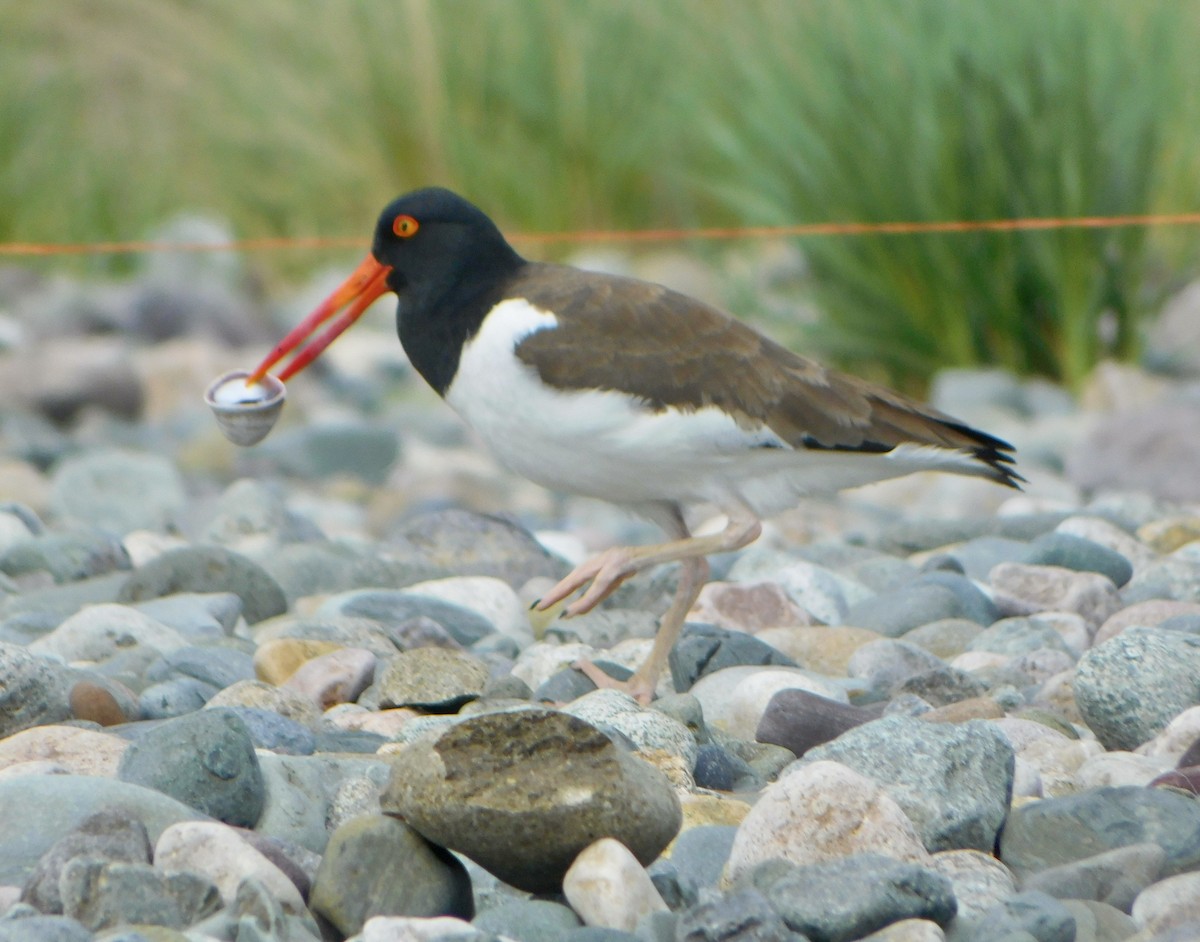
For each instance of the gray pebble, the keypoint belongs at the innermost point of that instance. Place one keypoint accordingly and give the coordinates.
(953, 781)
(206, 760)
(33, 690)
(1057, 831)
(742, 916)
(206, 569)
(1041, 916)
(703, 649)
(1082, 555)
(66, 557)
(1130, 687)
(111, 834)
(393, 609)
(119, 491)
(377, 865)
(532, 920)
(843, 900)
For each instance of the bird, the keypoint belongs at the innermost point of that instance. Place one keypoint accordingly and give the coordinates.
(626, 391)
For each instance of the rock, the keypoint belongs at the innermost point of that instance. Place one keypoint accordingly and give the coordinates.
(303, 794)
(254, 693)
(1128, 689)
(99, 632)
(333, 678)
(720, 770)
(216, 852)
(887, 663)
(118, 491)
(1057, 831)
(203, 616)
(908, 930)
(276, 659)
(954, 782)
(36, 811)
(415, 929)
(799, 720)
(522, 793)
(532, 920)
(204, 759)
(25, 928)
(470, 544)
(433, 679)
(65, 557)
(897, 612)
(734, 699)
(744, 916)
(823, 811)
(207, 569)
(699, 853)
(945, 638)
(1114, 877)
(377, 866)
(817, 590)
(68, 749)
(99, 704)
(393, 609)
(1069, 551)
(342, 447)
(1177, 577)
(33, 690)
(941, 686)
(748, 607)
(979, 880)
(1030, 589)
(1042, 917)
(103, 894)
(703, 649)
(492, 599)
(607, 887)
(817, 648)
(1018, 636)
(214, 666)
(1168, 903)
(647, 729)
(1148, 614)
(105, 835)
(843, 900)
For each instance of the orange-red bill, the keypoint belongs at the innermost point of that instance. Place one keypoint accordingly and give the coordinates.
(360, 291)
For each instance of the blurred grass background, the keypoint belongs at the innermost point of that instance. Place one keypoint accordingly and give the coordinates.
(303, 117)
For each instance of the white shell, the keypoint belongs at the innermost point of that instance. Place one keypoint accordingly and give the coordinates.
(245, 413)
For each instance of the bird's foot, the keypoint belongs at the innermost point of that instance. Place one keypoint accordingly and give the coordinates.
(639, 687)
(604, 572)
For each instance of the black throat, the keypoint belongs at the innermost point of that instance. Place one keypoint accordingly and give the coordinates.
(437, 315)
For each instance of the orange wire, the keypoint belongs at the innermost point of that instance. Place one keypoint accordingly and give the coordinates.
(628, 235)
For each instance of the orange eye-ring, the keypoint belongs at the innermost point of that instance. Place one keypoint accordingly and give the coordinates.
(405, 226)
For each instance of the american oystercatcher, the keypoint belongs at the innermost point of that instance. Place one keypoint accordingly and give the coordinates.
(629, 392)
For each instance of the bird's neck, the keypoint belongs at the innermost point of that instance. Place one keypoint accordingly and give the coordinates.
(435, 319)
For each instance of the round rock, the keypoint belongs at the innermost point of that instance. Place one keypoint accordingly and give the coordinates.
(375, 865)
(523, 792)
(954, 781)
(1128, 689)
(207, 569)
(206, 760)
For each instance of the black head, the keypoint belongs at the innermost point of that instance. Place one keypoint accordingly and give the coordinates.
(432, 238)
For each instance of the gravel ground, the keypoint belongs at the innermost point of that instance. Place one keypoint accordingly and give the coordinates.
(294, 692)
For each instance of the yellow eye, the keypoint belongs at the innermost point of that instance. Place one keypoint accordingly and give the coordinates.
(405, 226)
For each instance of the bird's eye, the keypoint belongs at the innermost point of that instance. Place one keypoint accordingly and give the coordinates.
(405, 226)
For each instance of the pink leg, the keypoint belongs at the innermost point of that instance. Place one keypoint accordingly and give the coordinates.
(612, 567)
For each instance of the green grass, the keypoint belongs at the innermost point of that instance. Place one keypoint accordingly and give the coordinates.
(302, 117)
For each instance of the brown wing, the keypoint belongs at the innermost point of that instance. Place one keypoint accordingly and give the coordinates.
(674, 351)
